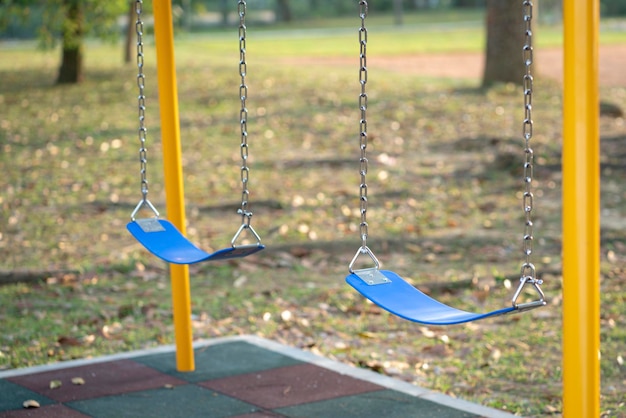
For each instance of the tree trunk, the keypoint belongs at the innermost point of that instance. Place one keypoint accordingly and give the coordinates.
(187, 15)
(505, 40)
(71, 70)
(283, 11)
(131, 31)
(224, 12)
(397, 12)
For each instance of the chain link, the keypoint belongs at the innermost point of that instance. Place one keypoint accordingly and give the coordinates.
(141, 102)
(243, 116)
(528, 269)
(363, 227)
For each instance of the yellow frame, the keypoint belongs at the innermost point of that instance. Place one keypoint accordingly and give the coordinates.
(173, 174)
(581, 201)
(581, 210)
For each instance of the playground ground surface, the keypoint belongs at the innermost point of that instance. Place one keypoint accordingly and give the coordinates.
(444, 212)
(470, 65)
(242, 377)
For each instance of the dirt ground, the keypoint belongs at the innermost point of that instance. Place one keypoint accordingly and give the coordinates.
(470, 65)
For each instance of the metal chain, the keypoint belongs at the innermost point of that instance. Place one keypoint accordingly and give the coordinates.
(528, 273)
(243, 116)
(367, 274)
(141, 102)
(363, 227)
(527, 131)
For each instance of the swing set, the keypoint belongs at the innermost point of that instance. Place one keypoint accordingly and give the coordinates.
(160, 236)
(387, 289)
(384, 287)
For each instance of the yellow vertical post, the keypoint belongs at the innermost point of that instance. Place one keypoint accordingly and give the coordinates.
(172, 163)
(581, 210)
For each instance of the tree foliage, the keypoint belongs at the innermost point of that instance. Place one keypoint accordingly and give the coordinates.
(99, 17)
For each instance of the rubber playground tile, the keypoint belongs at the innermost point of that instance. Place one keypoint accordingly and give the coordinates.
(384, 403)
(262, 414)
(101, 379)
(18, 392)
(220, 360)
(181, 401)
(241, 377)
(49, 411)
(291, 385)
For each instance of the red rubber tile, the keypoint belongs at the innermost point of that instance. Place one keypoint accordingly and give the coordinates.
(291, 385)
(101, 379)
(48, 411)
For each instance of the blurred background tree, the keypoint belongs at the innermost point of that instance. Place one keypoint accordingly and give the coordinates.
(65, 21)
(505, 37)
(70, 22)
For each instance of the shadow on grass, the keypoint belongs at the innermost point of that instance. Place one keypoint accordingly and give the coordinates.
(41, 79)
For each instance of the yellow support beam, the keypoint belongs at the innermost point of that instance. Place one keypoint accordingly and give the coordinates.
(581, 210)
(172, 167)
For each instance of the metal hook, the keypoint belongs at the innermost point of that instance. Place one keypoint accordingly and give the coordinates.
(528, 275)
(140, 205)
(364, 250)
(240, 230)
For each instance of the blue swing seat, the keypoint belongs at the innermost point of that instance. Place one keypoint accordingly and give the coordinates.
(389, 291)
(165, 241)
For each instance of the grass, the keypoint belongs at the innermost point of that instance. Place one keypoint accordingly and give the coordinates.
(443, 209)
(384, 40)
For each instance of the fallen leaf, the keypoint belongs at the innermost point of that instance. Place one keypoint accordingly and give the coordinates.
(110, 331)
(427, 332)
(286, 315)
(240, 281)
(481, 294)
(372, 365)
(55, 384)
(610, 256)
(69, 341)
(438, 350)
(88, 339)
(495, 355)
(300, 252)
(550, 409)
(340, 345)
(415, 249)
(78, 381)
(31, 403)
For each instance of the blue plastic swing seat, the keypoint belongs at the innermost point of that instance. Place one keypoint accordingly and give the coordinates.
(389, 291)
(165, 241)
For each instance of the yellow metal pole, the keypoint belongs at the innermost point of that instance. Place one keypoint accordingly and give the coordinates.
(172, 163)
(581, 210)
